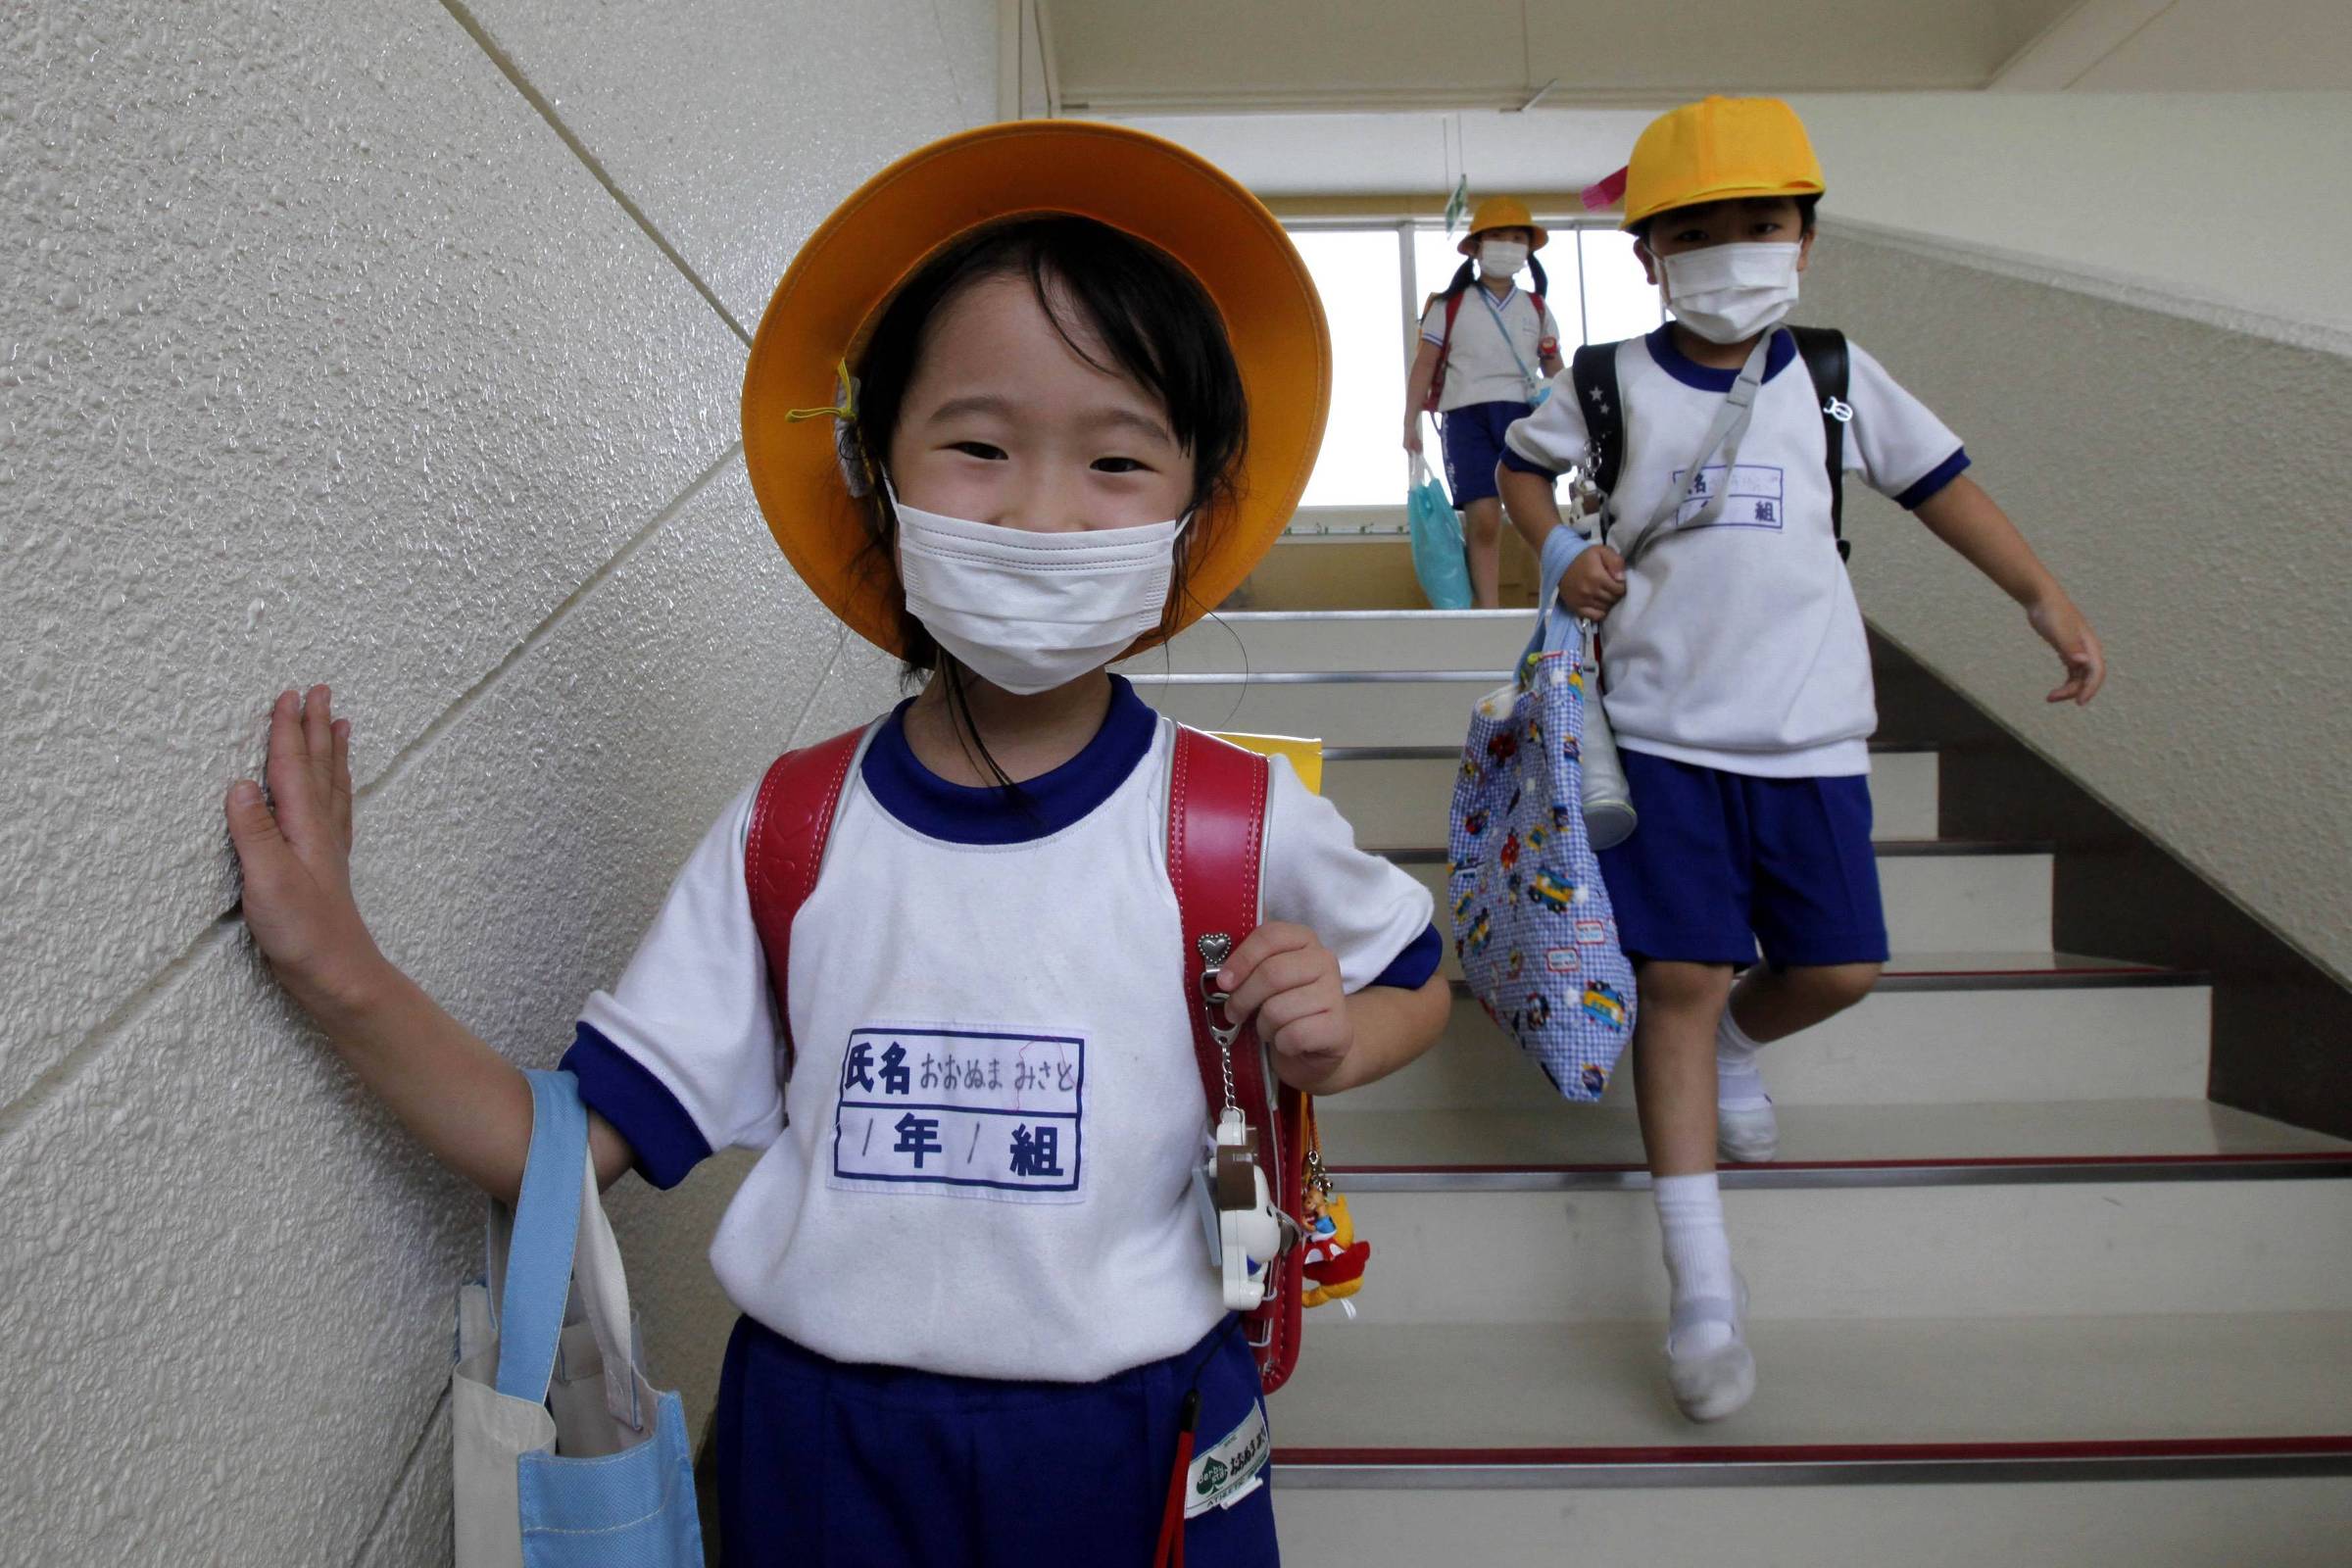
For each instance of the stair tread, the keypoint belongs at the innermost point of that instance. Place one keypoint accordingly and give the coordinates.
(1417, 1387)
(1559, 1135)
(2057, 969)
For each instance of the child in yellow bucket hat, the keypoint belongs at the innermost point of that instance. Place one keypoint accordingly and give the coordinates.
(1481, 368)
(1734, 668)
(1031, 399)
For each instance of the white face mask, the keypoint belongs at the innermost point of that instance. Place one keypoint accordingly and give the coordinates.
(1030, 611)
(1502, 258)
(1729, 292)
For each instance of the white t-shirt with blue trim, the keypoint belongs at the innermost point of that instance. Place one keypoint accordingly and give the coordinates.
(982, 1164)
(1739, 643)
(1498, 346)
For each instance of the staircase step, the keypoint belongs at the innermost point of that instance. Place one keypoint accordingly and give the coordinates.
(1562, 1145)
(1941, 895)
(1942, 1028)
(1340, 707)
(1880, 1249)
(1547, 1395)
(2233, 1507)
(1400, 795)
(1342, 638)
(1525, 1442)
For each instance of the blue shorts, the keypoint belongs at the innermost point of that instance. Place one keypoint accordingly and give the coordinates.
(1474, 445)
(826, 1463)
(1720, 862)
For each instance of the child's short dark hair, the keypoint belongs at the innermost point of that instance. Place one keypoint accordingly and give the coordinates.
(1804, 216)
(1150, 315)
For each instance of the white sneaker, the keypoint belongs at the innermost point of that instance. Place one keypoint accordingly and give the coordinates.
(1716, 1383)
(1747, 1134)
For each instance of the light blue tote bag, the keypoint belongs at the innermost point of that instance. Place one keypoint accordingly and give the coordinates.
(1439, 558)
(565, 1455)
(1532, 919)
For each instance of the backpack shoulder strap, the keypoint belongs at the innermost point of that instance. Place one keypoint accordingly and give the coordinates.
(1437, 379)
(1824, 351)
(1593, 371)
(1217, 796)
(792, 817)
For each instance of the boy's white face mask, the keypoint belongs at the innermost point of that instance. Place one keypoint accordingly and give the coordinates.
(1029, 612)
(1727, 293)
(1502, 258)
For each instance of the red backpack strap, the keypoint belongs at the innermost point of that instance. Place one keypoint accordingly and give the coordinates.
(791, 820)
(1437, 379)
(1217, 844)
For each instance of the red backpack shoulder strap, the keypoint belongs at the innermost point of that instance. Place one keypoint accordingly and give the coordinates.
(1217, 844)
(1437, 379)
(792, 817)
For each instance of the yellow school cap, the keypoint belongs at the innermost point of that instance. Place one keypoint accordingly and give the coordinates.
(1501, 212)
(1718, 149)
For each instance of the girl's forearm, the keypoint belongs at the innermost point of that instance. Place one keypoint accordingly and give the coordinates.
(1964, 517)
(469, 1106)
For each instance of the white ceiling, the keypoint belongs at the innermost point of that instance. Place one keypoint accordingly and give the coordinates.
(1131, 58)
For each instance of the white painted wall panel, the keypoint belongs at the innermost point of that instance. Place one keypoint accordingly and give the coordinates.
(736, 125)
(2187, 485)
(322, 356)
(320, 359)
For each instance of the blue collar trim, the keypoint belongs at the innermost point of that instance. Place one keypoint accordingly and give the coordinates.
(965, 814)
(1688, 370)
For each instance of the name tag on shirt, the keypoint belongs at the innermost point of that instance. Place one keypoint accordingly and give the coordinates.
(984, 1113)
(1753, 496)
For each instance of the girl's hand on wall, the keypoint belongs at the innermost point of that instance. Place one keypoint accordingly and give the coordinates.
(1289, 981)
(2064, 629)
(294, 846)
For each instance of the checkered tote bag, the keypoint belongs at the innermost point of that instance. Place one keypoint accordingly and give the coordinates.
(1532, 919)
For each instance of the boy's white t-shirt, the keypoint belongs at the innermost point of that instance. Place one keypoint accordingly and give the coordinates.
(1480, 367)
(983, 1162)
(1739, 643)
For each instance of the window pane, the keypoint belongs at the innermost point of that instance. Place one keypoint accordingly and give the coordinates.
(1362, 463)
(1619, 301)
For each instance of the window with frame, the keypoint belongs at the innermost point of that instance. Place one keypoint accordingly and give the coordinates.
(1374, 279)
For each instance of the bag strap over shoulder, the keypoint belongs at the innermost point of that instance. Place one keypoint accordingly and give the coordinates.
(791, 820)
(1824, 351)
(1593, 371)
(1217, 796)
(1437, 379)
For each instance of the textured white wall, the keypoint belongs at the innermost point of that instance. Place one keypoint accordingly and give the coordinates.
(390, 346)
(2186, 482)
(2232, 201)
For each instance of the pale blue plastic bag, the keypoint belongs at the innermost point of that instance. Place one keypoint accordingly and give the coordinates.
(1438, 559)
(1532, 919)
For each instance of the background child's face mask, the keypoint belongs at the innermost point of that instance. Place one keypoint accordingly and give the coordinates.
(1029, 612)
(1502, 258)
(1729, 292)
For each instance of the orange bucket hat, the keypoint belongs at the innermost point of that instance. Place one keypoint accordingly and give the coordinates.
(795, 390)
(1718, 149)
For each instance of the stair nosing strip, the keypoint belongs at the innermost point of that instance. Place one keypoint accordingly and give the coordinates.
(1918, 980)
(1573, 1468)
(2003, 1171)
(1881, 849)
(1443, 754)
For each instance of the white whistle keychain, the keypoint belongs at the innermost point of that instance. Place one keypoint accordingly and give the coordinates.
(1248, 1231)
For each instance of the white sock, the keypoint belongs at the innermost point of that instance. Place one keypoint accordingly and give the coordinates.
(1698, 1254)
(1737, 1084)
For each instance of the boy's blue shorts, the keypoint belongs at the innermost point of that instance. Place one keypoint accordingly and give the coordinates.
(1720, 862)
(821, 1461)
(1474, 445)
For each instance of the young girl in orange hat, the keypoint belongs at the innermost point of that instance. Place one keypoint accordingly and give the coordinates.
(1031, 400)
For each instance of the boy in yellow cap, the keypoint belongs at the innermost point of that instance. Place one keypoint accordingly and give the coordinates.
(1735, 672)
(1480, 370)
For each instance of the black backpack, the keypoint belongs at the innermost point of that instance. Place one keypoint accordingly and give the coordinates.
(1822, 348)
